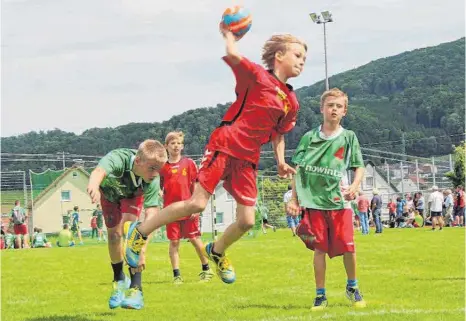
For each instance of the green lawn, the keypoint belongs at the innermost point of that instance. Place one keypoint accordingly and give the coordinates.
(405, 274)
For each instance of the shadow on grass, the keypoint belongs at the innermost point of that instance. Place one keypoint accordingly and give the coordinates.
(72, 317)
(284, 307)
(143, 282)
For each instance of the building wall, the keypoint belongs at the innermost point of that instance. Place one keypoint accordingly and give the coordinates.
(48, 211)
(225, 204)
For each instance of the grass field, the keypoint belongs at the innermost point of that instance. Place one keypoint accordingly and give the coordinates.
(405, 274)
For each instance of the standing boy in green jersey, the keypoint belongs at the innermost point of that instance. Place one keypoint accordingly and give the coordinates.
(123, 182)
(321, 186)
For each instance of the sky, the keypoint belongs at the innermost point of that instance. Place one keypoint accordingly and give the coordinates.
(79, 64)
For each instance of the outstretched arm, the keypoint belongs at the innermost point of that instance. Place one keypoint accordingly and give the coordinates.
(284, 170)
(97, 176)
(232, 53)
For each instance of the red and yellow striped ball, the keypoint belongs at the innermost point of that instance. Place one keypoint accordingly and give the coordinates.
(238, 20)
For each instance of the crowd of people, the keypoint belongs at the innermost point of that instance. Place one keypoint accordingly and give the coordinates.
(442, 208)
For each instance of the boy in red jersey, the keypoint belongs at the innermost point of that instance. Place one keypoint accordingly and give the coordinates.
(265, 110)
(177, 179)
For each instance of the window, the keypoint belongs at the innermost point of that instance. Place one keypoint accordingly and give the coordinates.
(219, 218)
(369, 182)
(65, 196)
(229, 197)
(75, 174)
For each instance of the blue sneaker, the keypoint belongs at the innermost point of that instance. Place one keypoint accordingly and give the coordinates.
(118, 293)
(355, 296)
(133, 245)
(224, 268)
(320, 303)
(133, 299)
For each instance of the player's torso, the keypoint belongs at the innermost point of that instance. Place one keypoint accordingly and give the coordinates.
(259, 107)
(323, 170)
(126, 186)
(176, 181)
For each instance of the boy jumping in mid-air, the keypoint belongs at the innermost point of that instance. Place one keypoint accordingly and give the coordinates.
(177, 178)
(123, 182)
(321, 186)
(265, 110)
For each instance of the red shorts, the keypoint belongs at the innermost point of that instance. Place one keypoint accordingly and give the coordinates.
(331, 231)
(185, 229)
(113, 211)
(239, 176)
(20, 229)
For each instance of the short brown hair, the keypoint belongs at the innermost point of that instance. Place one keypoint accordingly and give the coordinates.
(334, 92)
(278, 43)
(152, 149)
(173, 135)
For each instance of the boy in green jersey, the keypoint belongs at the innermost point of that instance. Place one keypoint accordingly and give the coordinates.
(125, 181)
(321, 186)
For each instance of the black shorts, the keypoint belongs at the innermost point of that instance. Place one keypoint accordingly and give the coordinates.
(265, 221)
(435, 214)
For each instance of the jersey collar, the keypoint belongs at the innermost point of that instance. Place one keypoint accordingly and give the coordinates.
(335, 135)
(136, 182)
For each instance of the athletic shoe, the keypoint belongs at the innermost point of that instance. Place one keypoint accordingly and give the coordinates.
(177, 280)
(224, 268)
(206, 276)
(118, 293)
(133, 245)
(320, 303)
(133, 299)
(355, 297)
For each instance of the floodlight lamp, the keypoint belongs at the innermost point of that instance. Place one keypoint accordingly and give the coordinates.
(327, 16)
(315, 17)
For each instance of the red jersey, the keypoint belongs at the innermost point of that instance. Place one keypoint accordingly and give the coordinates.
(177, 181)
(264, 106)
(460, 199)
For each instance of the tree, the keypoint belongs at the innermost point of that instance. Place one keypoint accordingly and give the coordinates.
(457, 175)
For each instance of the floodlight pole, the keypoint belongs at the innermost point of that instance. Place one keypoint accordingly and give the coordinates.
(325, 54)
(323, 18)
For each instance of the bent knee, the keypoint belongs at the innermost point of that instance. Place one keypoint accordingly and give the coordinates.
(196, 205)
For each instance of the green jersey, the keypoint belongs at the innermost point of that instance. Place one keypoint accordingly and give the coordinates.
(9, 240)
(323, 161)
(39, 240)
(100, 217)
(120, 181)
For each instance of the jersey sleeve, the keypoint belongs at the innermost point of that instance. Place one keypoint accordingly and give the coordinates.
(244, 71)
(113, 164)
(151, 194)
(301, 149)
(355, 160)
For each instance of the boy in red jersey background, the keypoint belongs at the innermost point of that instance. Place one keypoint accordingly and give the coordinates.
(265, 110)
(177, 179)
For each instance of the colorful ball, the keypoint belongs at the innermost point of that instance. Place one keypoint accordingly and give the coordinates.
(238, 20)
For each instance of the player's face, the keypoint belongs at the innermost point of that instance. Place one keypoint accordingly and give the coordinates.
(334, 109)
(148, 169)
(174, 147)
(294, 59)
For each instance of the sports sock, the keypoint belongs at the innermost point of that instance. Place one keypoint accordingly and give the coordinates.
(118, 274)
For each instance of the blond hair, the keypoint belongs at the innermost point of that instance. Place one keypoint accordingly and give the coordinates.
(174, 135)
(334, 92)
(278, 43)
(152, 149)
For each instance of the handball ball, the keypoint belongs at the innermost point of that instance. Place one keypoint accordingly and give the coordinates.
(238, 20)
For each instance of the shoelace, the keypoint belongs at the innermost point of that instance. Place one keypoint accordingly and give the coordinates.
(138, 244)
(223, 264)
(318, 300)
(132, 292)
